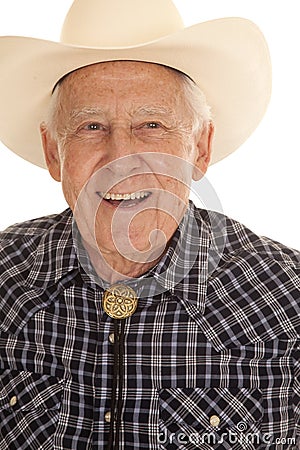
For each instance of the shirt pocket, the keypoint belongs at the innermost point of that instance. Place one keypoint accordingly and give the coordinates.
(210, 418)
(29, 409)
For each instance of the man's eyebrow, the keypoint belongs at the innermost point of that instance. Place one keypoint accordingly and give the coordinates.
(151, 110)
(86, 111)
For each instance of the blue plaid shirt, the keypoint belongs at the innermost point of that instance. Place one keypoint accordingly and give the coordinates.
(211, 355)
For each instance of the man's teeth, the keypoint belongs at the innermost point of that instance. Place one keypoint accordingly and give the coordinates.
(133, 196)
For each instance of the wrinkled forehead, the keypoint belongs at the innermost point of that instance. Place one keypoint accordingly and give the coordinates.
(125, 70)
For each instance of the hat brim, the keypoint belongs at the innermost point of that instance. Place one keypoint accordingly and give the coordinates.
(228, 58)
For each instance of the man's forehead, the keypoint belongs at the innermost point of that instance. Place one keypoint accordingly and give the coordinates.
(120, 70)
(145, 89)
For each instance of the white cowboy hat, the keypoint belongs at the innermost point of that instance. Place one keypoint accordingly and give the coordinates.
(228, 58)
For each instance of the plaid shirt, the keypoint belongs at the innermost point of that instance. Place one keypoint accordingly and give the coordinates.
(211, 360)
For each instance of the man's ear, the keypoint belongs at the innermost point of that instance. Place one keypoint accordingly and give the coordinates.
(204, 149)
(51, 152)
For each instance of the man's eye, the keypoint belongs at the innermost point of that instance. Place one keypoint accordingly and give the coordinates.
(94, 126)
(152, 125)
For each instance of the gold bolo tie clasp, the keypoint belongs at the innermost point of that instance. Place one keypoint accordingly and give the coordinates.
(120, 301)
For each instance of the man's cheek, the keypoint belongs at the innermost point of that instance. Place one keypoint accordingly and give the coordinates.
(71, 191)
(178, 187)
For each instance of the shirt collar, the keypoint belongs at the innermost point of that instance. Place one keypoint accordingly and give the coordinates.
(183, 271)
(194, 253)
(55, 255)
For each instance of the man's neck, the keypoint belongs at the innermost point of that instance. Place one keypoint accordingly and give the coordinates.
(113, 267)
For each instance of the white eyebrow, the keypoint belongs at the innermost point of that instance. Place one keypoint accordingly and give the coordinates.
(151, 110)
(145, 110)
(86, 111)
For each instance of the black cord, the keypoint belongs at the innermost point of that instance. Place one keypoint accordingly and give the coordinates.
(114, 386)
(121, 382)
(118, 379)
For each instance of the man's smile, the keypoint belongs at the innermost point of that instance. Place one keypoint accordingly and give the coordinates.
(126, 200)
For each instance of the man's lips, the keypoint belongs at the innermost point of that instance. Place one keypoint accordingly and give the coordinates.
(126, 200)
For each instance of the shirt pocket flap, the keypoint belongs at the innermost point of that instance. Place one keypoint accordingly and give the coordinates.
(26, 391)
(211, 408)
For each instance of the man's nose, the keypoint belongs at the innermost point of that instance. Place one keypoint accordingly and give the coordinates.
(124, 151)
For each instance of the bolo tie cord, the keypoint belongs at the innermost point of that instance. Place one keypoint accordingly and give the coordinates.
(118, 380)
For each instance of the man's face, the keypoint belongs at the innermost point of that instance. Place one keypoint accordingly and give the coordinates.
(125, 129)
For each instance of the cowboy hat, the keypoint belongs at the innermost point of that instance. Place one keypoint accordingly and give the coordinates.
(228, 58)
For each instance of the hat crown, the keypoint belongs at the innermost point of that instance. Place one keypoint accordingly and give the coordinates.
(119, 23)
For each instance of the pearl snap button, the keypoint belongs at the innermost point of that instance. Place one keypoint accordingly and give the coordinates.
(111, 338)
(13, 401)
(107, 416)
(214, 421)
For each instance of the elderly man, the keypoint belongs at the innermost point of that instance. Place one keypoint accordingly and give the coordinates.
(134, 319)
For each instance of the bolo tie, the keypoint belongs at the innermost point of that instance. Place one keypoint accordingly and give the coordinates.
(119, 302)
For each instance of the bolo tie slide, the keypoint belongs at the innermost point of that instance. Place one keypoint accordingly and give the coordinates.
(120, 301)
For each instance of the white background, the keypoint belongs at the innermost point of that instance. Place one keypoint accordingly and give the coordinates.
(257, 185)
